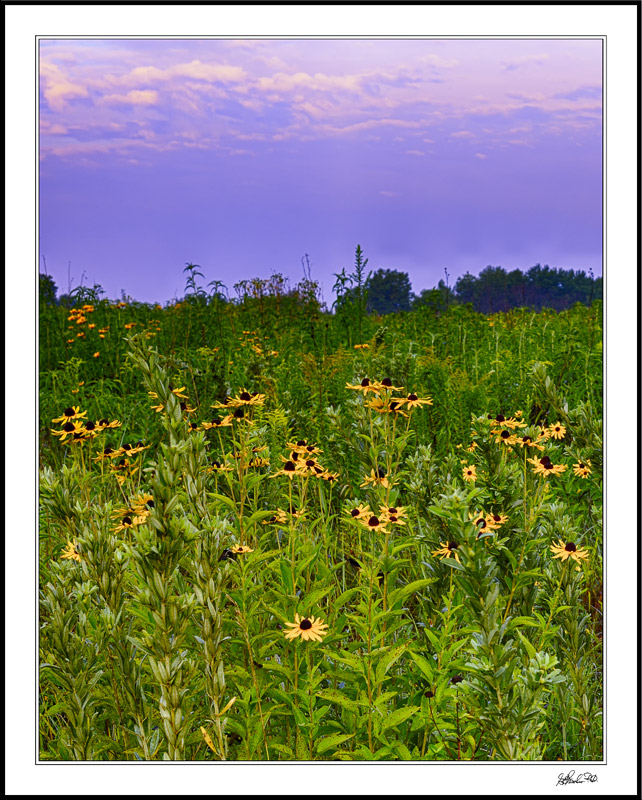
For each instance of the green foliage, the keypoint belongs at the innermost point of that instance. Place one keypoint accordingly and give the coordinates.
(164, 637)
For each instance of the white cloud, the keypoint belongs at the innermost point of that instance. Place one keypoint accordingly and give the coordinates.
(480, 155)
(57, 88)
(134, 98)
(415, 153)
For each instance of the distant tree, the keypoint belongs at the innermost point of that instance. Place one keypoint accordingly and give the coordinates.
(48, 291)
(438, 298)
(388, 291)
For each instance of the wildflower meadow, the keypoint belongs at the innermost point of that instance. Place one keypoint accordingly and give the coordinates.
(274, 531)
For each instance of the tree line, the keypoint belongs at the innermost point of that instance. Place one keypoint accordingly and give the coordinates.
(387, 291)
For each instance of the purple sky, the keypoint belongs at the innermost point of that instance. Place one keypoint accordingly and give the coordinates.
(242, 155)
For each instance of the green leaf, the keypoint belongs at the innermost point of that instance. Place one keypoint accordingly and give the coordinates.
(388, 660)
(335, 696)
(424, 665)
(404, 591)
(328, 742)
(227, 501)
(286, 577)
(398, 716)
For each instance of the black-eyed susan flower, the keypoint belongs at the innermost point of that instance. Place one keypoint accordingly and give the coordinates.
(241, 549)
(387, 405)
(328, 476)
(469, 472)
(506, 422)
(528, 441)
(582, 469)
(544, 466)
(309, 629)
(386, 385)
(378, 478)
(361, 346)
(413, 401)
(393, 514)
(481, 523)
(447, 550)
(374, 523)
(130, 522)
(217, 422)
(246, 398)
(556, 431)
(105, 423)
(504, 436)
(96, 354)
(289, 469)
(497, 520)
(143, 503)
(71, 552)
(569, 550)
(217, 466)
(365, 386)
(69, 429)
(71, 413)
(360, 511)
(303, 448)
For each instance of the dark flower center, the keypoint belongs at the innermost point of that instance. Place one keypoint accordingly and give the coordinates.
(393, 518)
(429, 693)
(580, 465)
(309, 463)
(393, 405)
(557, 429)
(216, 421)
(355, 512)
(381, 473)
(78, 435)
(365, 382)
(500, 418)
(150, 504)
(183, 406)
(301, 443)
(104, 421)
(412, 397)
(526, 439)
(239, 413)
(90, 426)
(289, 466)
(453, 546)
(373, 522)
(122, 462)
(310, 448)
(392, 510)
(68, 426)
(505, 434)
(548, 465)
(127, 520)
(305, 625)
(571, 547)
(69, 412)
(481, 523)
(456, 679)
(127, 447)
(107, 451)
(545, 460)
(496, 517)
(193, 425)
(245, 396)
